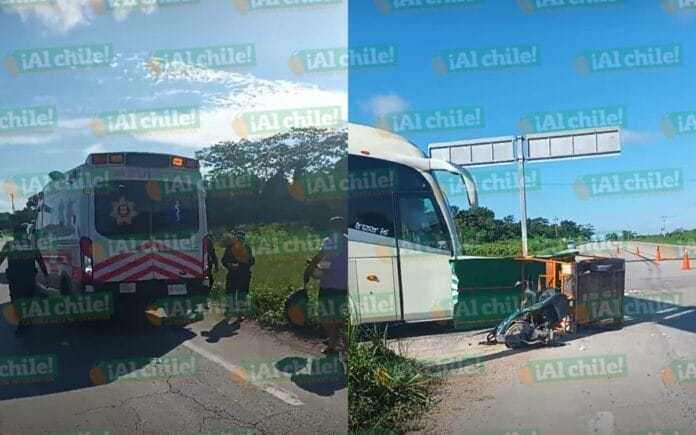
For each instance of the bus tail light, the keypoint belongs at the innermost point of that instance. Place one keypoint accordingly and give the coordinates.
(86, 260)
(100, 159)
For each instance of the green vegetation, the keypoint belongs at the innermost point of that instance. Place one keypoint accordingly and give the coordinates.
(275, 274)
(512, 248)
(385, 390)
(484, 235)
(677, 237)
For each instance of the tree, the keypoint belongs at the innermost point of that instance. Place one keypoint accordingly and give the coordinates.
(273, 163)
(290, 154)
(626, 235)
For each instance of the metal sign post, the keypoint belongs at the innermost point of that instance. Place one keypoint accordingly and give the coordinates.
(540, 147)
(523, 194)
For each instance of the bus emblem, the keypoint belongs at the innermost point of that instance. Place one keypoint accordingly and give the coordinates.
(123, 211)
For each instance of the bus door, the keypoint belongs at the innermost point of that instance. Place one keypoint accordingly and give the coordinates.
(177, 236)
(150, 232)
(123, 222)
(424, 250)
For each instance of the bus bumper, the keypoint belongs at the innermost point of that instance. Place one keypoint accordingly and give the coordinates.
(140, 294)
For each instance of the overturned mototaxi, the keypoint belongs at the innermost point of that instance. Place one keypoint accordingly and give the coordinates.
(534, 322)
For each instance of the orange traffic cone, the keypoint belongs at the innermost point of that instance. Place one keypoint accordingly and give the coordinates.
(638, 250)
(685, 262)
(658, 257)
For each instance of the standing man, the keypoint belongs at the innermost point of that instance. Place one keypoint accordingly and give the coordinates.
(213, 263)
(22, 256)
(238, 259)
(332, 262)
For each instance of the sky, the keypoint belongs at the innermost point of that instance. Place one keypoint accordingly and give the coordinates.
(220, 94)
(553, 82)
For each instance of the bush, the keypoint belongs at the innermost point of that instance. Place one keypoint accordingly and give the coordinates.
(385, 390)
(276, 274)
(513, 247)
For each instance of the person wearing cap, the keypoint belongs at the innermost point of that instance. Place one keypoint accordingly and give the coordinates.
(332, 264)
(22, 256)
(238, 259)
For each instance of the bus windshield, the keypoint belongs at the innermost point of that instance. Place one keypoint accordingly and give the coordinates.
(454, 191)
(139, 207)
(453, 188)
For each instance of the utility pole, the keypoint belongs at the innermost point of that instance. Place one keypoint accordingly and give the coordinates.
(663, 229)
(555, 224)
(12, 199)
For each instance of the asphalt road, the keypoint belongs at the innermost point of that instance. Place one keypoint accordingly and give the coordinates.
(227, 390)
(639, 379)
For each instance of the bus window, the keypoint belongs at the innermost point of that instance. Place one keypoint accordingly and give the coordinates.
(370, 176)
(123, 209)
(372, 214)
(421, 223)
(176, 214)
(410, 180)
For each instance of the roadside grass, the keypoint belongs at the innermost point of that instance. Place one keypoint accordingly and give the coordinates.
(274, 275)
(683, 238)
(513, 247)
(385, 391)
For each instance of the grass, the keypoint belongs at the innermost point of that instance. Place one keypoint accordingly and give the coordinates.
(385, 390)
(275, 275)
(513, 247)
(682, 238)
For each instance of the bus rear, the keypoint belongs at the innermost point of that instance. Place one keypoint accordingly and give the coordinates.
(146, 228)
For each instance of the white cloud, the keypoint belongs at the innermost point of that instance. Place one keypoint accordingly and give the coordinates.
(37, 139)
(74, 123)
(61, 16)
(79, 124)
(378, 105)
(6, 203)
(242, 93)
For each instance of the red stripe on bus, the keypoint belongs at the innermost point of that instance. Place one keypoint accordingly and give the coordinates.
(112, 260)
(176, 265)
(121, 269)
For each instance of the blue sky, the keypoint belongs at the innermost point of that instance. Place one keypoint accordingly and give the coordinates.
(507, 95)
(222, 95)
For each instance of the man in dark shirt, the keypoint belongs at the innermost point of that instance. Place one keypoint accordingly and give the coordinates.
(22, 256)
(212, 261)
(238, 259)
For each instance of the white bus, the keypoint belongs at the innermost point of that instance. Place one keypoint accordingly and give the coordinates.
(129, 223)
(401, 232)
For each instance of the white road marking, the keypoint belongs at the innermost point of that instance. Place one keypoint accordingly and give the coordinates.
(269, 388)
(681, 313)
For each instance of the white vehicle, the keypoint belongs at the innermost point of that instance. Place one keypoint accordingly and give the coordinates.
(129, 223)
(401, 232)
